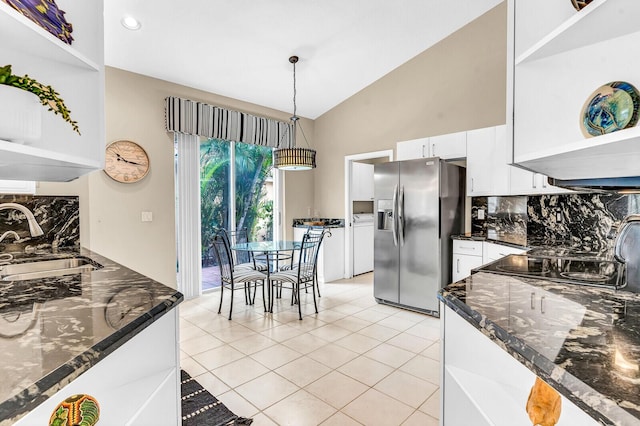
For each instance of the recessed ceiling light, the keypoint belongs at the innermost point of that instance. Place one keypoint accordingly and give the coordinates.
(130, 23)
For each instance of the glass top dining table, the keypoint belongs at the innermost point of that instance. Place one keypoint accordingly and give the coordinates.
(270, 249)
(268, 246)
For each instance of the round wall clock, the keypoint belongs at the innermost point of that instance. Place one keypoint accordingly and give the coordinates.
(126, 161)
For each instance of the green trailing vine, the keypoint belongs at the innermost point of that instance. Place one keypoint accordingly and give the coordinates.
(47, 96)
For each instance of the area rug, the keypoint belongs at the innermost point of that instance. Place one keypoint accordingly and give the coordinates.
(200, 408)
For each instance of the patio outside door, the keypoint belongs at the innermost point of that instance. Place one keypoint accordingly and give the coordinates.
(237, 190)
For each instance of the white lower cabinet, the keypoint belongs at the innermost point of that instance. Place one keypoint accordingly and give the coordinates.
(467, 255)
(492, 252)
(331, 256)
(137, 384)
(487, 386)
(362, 249)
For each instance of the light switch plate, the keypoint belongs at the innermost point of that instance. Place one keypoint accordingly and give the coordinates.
(480, 214)
(147, 216)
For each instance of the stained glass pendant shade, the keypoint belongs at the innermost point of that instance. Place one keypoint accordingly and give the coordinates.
(294, 158)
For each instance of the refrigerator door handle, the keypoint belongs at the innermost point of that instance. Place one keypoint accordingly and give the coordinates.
(401, 217)
(439, 218)
(394, 227)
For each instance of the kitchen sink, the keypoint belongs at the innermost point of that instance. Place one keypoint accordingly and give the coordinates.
(46, 268)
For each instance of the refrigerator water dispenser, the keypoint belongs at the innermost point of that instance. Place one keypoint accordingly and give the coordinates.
(385, 215)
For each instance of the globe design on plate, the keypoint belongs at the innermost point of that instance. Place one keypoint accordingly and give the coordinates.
(610, 108)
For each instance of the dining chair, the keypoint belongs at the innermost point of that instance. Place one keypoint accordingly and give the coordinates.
(230, 276)
(303, 274)
(293, 264)
(242, 259)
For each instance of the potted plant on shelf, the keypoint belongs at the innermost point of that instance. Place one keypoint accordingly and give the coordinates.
(46, 95)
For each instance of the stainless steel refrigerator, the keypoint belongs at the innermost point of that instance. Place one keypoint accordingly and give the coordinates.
(419, 204)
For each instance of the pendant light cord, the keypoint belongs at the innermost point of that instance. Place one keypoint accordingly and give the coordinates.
(294, 91)
(295, 118)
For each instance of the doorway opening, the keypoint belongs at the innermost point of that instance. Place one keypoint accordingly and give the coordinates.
(349, 160)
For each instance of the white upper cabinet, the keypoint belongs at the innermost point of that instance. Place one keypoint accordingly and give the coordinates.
(76, 72)
(524, 182)
(487, 168)
(448, 147)
(412, 149)
(489, 172)
(361, 182)
(558, 58)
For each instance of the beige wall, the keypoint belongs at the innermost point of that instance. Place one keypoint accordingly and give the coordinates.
(110, 216)
(459, 84)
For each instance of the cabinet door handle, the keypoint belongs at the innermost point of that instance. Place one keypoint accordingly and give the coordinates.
(542, 304)
(433, 149)
(533, 180)
(471, 184)
(533, 300)
(423, 156)
(458, 266)
(544, 182)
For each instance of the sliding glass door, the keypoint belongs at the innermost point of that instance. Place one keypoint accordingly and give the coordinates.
(238, 190)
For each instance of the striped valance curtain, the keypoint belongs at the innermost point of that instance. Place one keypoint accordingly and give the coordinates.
(196, 118)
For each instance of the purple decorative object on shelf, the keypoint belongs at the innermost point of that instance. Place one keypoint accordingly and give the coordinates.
(46, 14)
(580, 4)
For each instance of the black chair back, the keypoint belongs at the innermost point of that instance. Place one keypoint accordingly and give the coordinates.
(223, 256)
(239, 236)
(309, 250)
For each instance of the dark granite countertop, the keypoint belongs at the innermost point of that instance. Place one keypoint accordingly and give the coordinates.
(512, 240)
(318, 223)
(536, 246)
(586, 344)
(54, 329)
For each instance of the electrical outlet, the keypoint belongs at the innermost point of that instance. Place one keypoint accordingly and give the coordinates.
(558, 216)
(480, 214)
(147, 216)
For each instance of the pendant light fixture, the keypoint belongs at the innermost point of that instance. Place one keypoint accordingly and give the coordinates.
(294, 158)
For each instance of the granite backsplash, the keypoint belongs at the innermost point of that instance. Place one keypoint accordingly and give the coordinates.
(584, 222)
(59, 218)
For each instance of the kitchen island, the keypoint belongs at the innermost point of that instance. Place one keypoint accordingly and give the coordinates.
(108, 332)
(500, 332)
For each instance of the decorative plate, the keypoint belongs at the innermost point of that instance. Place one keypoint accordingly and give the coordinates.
(610, 108)
(580, 4)
(46, 14)
(77, 410)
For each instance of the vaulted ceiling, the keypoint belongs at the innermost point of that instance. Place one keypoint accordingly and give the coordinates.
(240, 48)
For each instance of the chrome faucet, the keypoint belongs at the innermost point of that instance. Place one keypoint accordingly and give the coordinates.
(34, 228)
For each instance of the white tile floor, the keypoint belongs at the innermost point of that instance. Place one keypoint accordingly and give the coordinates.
(355, 362)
